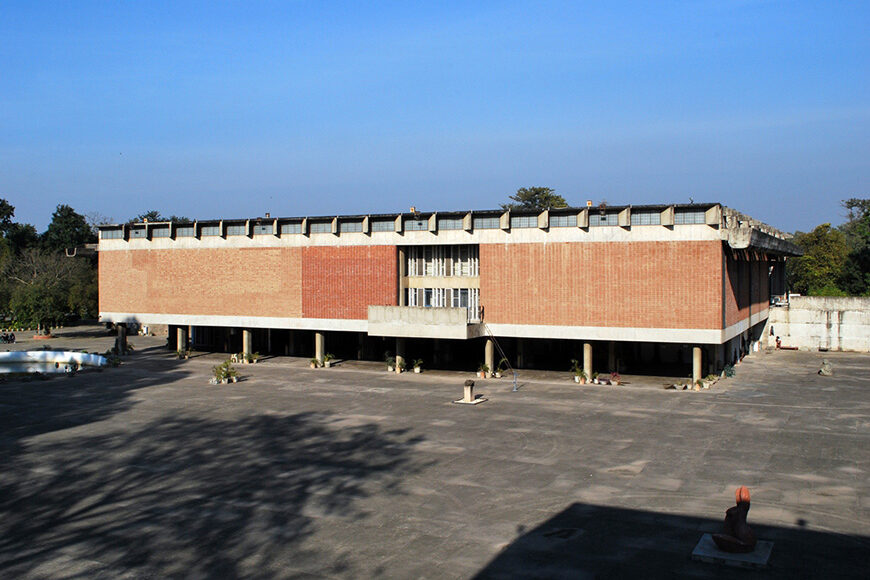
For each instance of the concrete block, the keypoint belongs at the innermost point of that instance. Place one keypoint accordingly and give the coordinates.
(707, 551)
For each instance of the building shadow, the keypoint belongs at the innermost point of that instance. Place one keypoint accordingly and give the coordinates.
(191, 497)
(592, 541)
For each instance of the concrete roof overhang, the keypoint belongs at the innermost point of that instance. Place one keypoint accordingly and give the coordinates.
(750, 238)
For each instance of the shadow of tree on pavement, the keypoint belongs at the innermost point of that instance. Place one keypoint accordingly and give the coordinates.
(188, 496)
(37, 405)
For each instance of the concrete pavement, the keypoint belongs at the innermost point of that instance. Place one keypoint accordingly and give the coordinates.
(147, 471)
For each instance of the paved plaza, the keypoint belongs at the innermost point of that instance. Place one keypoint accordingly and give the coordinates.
(147, 471)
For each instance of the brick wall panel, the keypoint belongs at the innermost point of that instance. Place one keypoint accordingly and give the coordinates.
(342, 281)
(232, 282)
(638, 284)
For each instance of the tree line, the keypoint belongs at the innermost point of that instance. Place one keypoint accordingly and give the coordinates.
(41, 287)
(836, 260)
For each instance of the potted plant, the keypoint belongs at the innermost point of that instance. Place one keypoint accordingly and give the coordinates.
(615, 379)
(579, 373)
(483, 370)
(224, 373)
(400, 366)
(391, 362)
(418, 365)
(699, 384)
(595, 378)
(327, 360)
(313, 363)
(501, 367)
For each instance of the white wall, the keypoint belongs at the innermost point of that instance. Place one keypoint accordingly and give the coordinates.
(813, 322)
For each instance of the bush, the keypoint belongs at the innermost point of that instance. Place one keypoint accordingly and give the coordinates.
(827, 290)
(225, 372)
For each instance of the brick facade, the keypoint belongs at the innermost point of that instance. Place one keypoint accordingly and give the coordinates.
(342, 281)
(232, 282)
(617, 284)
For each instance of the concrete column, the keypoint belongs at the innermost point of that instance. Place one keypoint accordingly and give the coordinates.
(521, 355)
(400, 353)
(611, 356)
(291, 342)
(181, 338)
(318, 345)
(587, 359)
(489, 354)
(360, 346)
(246, 341)
(696, 363)
(121, 339)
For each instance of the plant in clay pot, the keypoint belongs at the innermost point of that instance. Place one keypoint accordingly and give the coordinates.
(579, 373)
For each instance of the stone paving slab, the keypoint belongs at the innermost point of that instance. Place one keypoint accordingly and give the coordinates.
(147, 471)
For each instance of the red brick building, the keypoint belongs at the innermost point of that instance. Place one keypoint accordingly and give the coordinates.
(629, 287)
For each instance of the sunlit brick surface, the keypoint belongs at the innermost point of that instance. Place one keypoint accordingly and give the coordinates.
(234, 282)
(635, 284)
(341, 282)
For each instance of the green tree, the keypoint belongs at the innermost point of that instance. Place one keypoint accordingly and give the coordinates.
(151, 216)
(82, 292)
(155, 216)
(855, 278)
(41, 280)
(819, 270)
(22, 236)
(539, 198)
(67, 229)
(7, 211)
(14, 237)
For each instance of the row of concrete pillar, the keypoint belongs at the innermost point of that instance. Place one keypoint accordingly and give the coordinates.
(697, 358)
(489, 351)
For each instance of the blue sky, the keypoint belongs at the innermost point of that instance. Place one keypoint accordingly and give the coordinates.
(233, 109)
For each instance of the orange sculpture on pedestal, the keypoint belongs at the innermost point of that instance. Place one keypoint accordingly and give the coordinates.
(737, 536)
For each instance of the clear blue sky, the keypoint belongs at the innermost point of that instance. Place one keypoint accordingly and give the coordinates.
(232, 109)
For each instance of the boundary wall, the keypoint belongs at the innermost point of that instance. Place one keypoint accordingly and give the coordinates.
(813, 322)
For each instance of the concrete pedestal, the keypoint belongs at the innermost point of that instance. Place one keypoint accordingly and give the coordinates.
(708, 551)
